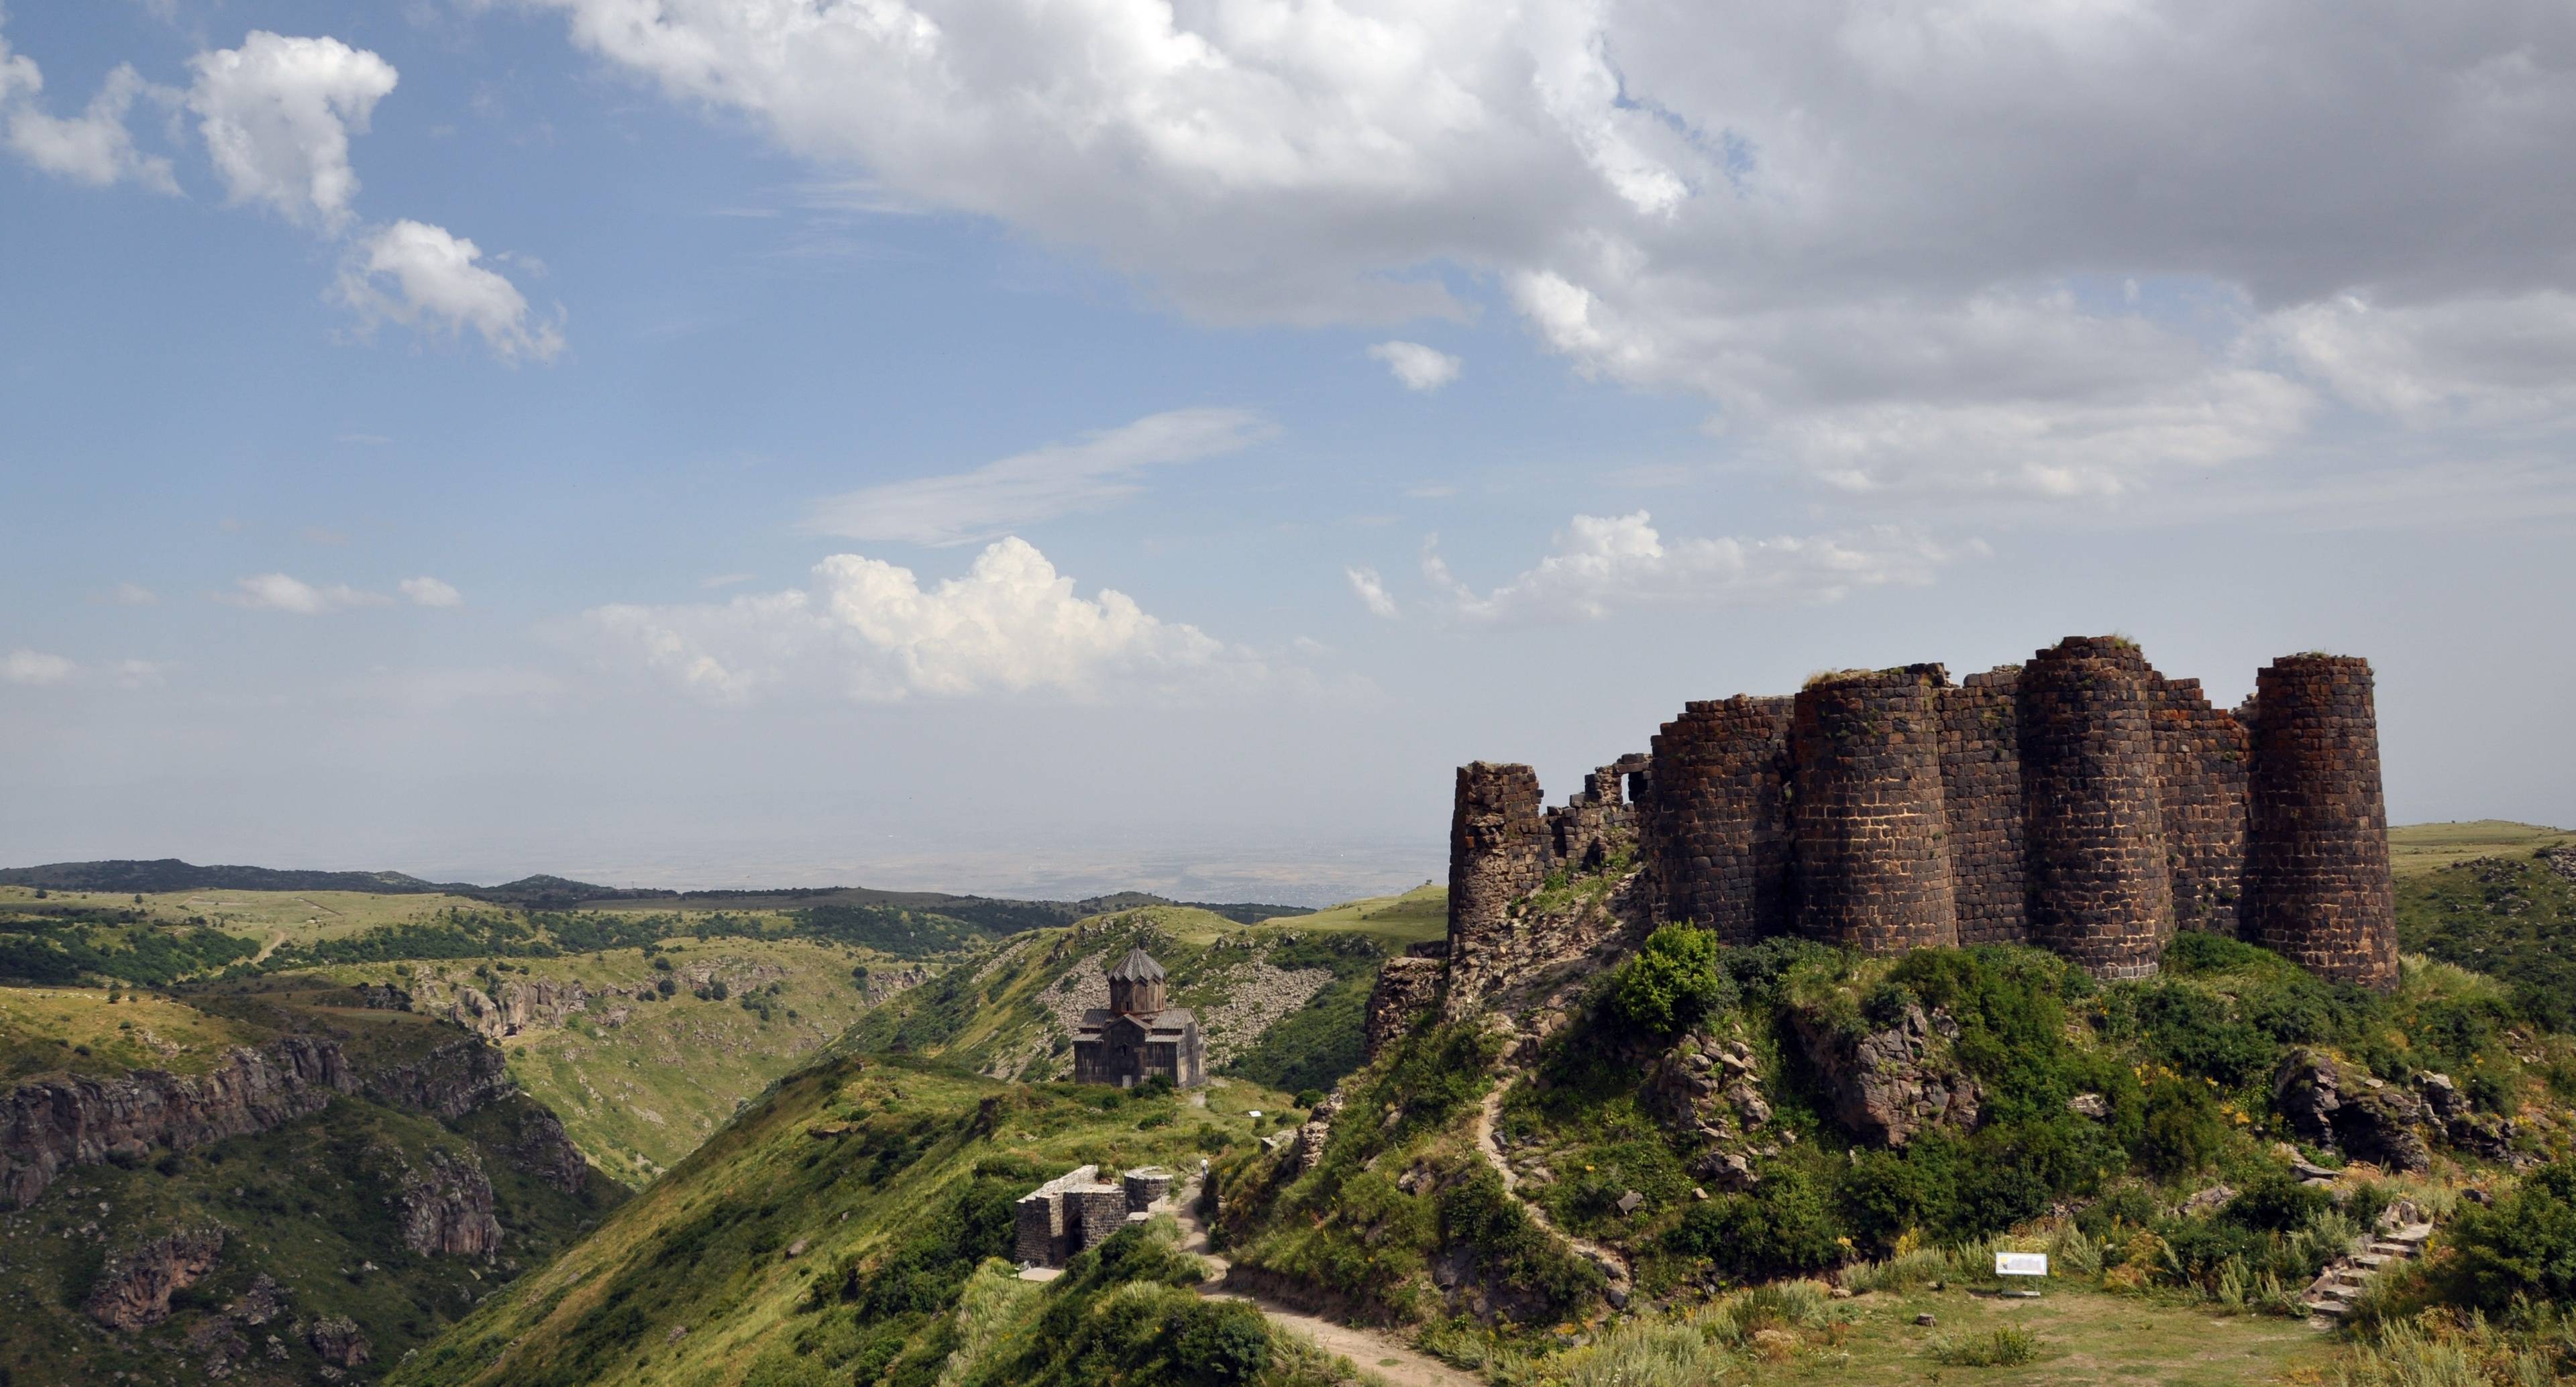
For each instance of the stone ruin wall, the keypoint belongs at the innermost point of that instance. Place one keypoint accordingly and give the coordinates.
(2317, 887)
(1981, 797)
(1866, 813)
(2084, 802)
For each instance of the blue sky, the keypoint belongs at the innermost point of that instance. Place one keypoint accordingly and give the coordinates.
(1430, 385)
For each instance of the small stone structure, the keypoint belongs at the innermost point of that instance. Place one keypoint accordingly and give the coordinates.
(1078, 1210)
(1137, 1037)
(2084, 803)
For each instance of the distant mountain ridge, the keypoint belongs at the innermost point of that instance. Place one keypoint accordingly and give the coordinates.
(996, 914)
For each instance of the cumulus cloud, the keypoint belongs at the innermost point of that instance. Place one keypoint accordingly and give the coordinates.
(1371, 590)
(1851, 226)
(2485, 359)
(277, 113)
(132, 595)
(1059, 479)
(868, 630)
(279, 592)
(1417, 366)
(425, 277)
(32, 667)
(430, 592)
(1603, 564)
(93, 147)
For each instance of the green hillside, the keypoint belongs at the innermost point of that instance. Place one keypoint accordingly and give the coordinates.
(2511, 917)
(1279, 1003)
(314, 1222)
(844, 1229)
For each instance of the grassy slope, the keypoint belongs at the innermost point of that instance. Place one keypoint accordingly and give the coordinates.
(849, 1158)
(2414, 849)
(76, 1030)
(993, 1014)
(2509, 917)
(638, 1097)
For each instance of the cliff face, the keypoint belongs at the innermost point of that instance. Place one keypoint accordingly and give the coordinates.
(450, 1081)
(53, 1123)
(518, 1006)
(447, 1208)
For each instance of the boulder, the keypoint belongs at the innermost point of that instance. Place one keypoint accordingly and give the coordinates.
(1886, 1085)
(2365, 1118)
(337, 1341)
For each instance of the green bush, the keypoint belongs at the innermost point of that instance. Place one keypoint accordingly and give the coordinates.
(1672, 984)
(2522, 1246)
(2008, 1347)
(2182, 1131)
(1784, 1226)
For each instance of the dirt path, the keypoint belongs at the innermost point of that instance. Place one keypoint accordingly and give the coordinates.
(268, 948)
(1372, 1351)
(1612, 1264)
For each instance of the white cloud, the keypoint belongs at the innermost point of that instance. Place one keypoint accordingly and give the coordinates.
(868, 630)
(726, 580)
(277, 114)
(138, 674)
(93, 147)
(1418, 366)
(424, 277)
(1372, 591)
(430, 592)
(1059, 479)
(25, 666)
(1603, 564)
(2483, 360)
(280, 593)
(132, 595)
(1882, 239)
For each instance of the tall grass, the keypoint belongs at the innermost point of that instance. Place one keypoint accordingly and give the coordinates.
(2007, 1347)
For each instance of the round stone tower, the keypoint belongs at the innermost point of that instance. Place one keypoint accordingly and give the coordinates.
(1497, 847)
(2317, 888)
(1716, 833)
(1865, 803)
(2101, 890)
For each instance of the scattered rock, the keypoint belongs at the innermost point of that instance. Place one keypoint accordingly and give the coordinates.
(797, 1248)
(261, 1303)
(2205, 1200)
(1630, 1202)
(1926, 1319)
(2092, 1105)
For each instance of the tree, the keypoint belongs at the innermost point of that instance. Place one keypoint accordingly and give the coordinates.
(1673, 983)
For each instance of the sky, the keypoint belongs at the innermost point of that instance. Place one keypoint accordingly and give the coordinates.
(1050, 446)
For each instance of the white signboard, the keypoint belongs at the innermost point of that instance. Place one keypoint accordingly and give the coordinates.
(2021, 1264)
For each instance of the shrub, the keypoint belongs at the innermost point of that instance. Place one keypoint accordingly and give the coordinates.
(1784, 1226)
(1672, 984)
(2008, 1347)
(2522, 1246)
(1223, 1341)
(2276, 1203)
(2182, 1132)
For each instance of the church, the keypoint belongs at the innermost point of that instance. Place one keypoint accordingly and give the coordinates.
(1138, 1037)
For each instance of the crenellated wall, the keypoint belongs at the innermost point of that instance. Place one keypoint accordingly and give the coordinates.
(2082, 802)
(2317, 887)
(2101, 892)
(1716, 823)
(1866, 814)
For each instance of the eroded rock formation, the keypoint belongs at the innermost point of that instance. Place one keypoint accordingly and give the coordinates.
(450, 1081)
(1888, 1084)
(133, 1289)
(2366, 1118)
(53, 1123)
(447, 1208)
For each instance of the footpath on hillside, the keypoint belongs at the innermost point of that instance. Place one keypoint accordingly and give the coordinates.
(1612, 1264)
(1372, 1351)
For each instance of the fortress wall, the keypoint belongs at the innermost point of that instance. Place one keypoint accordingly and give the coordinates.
(1498, 852)
(2201, 788)
(1580, 830)
(2101, 892)
(1715, 829)
(2317, 887)
(1982, 805)
(1866, 811)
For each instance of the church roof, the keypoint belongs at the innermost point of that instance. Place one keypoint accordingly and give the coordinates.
(1137, 966)
(1170, 1021)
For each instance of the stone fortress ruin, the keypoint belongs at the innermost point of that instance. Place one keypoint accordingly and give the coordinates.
(2083, 803)
(1078, 1211)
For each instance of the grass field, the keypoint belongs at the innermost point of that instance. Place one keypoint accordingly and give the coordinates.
(2414, 849)
(1418, 915)
(76, 1030)
(2083, 1337)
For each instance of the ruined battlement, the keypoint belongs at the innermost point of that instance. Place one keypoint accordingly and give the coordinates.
(2082, 802)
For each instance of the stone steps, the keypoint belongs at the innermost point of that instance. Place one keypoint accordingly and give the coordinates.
(2331, 1296)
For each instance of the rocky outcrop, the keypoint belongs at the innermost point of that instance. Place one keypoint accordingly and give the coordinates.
(383, 997)
(447, 1209)
(515, 1006)
(543, 1149)
(1407, 989)
(53, 1123)
(337, 1342)
(885, 984)
(260, 1304)
(450, 1081)
(2561, 860)
(133, 1290)
(2366, 1118)
(1710, 1090)
(1886, 1085)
